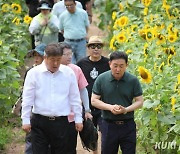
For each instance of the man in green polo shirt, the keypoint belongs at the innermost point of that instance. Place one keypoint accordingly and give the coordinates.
(113, 92)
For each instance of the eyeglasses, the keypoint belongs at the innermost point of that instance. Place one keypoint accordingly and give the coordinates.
(68, 54)
(69, 6)
(94, 46)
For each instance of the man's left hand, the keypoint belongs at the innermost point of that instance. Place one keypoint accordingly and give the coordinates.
(79, 126)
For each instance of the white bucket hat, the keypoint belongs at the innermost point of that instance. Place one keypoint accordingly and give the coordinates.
(44, 6)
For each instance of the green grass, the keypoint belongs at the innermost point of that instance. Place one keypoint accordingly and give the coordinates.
(4, 137)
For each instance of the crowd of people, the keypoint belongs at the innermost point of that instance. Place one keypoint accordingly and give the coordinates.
(66, 87)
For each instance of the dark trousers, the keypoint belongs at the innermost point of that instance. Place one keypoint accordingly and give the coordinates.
(28, 147)
(48, 131)
(60, 37)
(32, 42)
(115, 135)
(72, 143)
(97, 121)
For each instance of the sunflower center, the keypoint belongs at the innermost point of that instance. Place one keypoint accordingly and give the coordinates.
(16, 8)
(171, 52)
(171, 38)
(121, 37)
(149, 35)
(144, 75)
(122, 21)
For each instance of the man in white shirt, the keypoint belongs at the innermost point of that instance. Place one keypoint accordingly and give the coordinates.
(58, 9)
(51, 91)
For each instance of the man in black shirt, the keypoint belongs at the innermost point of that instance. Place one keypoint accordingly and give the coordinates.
(92, 66)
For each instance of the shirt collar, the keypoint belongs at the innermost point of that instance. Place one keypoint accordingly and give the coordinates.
(44, 68)
(122, 79)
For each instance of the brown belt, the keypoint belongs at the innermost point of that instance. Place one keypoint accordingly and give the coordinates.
(119, 122)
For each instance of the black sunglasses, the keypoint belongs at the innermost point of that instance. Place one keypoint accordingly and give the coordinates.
(94, 46)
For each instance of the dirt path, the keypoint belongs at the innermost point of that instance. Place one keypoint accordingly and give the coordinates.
(17, 145)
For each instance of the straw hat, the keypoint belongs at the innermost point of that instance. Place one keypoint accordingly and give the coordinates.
(95, 40)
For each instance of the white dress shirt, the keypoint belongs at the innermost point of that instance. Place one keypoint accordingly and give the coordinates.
(51, 94)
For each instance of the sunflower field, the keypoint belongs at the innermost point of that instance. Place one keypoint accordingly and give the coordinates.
(149, 32)
(14, 44)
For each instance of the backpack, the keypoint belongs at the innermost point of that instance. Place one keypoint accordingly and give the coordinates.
(89, 135)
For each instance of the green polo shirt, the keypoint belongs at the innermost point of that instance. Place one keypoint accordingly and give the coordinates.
(119, 92)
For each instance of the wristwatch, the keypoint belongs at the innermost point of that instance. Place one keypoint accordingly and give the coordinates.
(89, 111)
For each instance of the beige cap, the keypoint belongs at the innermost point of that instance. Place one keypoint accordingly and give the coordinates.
(95, 40)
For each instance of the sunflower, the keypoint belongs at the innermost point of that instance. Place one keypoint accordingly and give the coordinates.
(178, 78)
(134, 28)
(146, 50)
(16, 20)
(149, 34)
(173, 102)
(121, 8)
(27, 19)
(16, 8)
(161, 39)
(114, 15)
(142, 33)
(170, 51)
(115, 26)
(160, 26)
(169, 60)
(172, 38)
(121, 37)
(122, 21)
(112, 43)
(145, 11)
(161, 67)
(146, 2)
(170, 27)
(145, 74)
(5, 7)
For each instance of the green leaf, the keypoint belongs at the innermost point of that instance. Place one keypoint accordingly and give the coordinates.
(165, 119)
(150, 104)
(175, 128)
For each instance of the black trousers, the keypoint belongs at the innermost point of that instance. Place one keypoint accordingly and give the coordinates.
(49, 131)
(72, 139)
(121, 134)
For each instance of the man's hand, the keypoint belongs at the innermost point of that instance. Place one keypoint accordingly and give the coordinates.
(79, 126)
(88, 115)
(26, 128)
(118, 109)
